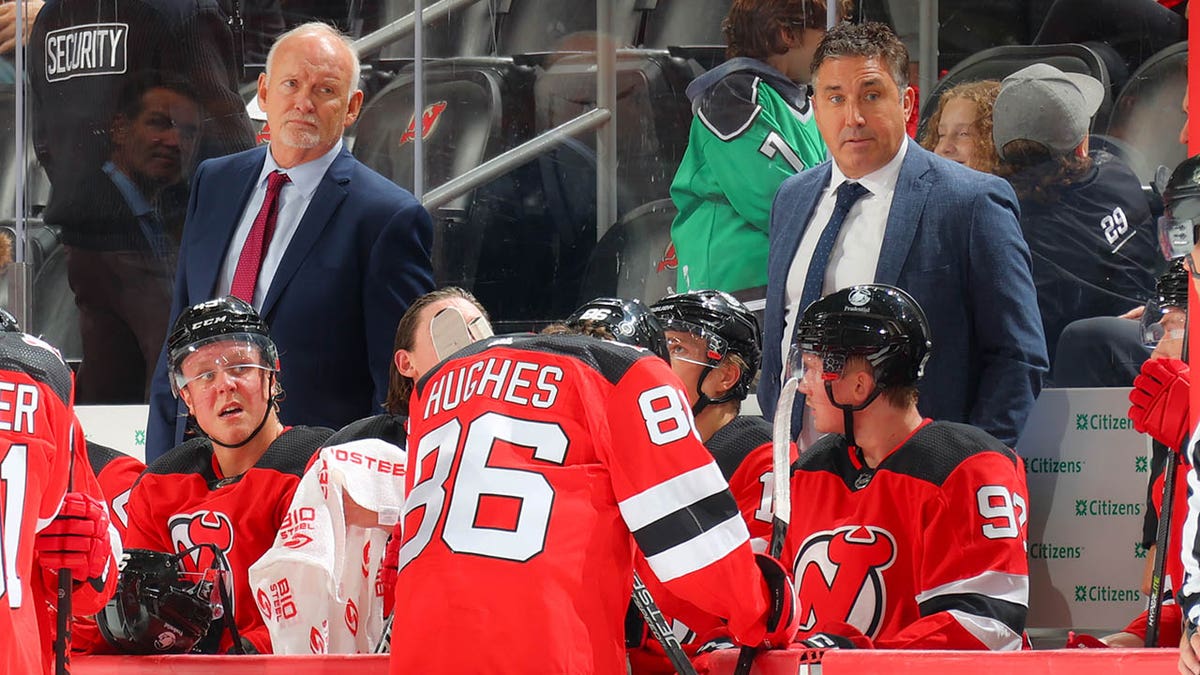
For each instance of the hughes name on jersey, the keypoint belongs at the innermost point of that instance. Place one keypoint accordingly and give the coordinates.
(926, 551)
(183, 500)
(531, 460)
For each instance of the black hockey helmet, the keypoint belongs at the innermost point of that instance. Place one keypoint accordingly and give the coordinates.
(158, 608)
(629, 321)
(224, 319)
(726, 326)
(8, 322)
(880, 323)
(1181, 202)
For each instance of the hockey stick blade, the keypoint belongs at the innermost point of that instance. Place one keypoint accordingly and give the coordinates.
(781, 490)
(658, 626)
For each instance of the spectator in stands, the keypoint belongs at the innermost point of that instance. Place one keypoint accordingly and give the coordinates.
(308, 235)
(752, 128)
(8, 23)
(231, 486)
(961, 127)
(1083, 214)
(946, 234)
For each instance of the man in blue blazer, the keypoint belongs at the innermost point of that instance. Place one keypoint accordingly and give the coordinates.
(946, 234)
(330, 253)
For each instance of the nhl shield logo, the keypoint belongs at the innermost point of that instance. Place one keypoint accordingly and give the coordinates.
(839, 577)
(859, 297)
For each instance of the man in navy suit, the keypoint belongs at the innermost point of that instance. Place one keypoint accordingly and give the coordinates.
(886, 211)
(329, 252)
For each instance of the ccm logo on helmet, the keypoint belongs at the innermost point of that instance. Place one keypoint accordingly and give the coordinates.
(210, 321)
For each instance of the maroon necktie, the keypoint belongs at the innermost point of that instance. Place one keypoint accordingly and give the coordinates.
(245, 277)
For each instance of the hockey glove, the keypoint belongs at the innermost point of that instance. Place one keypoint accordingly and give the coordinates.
(1083, 641)
(389, 570)
(1159, 401)
(782, 620)
(77, 538)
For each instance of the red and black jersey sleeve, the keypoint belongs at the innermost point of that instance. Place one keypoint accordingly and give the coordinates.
(116, 472)
(677, 504)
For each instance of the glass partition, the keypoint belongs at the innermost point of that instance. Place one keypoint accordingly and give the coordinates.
(117, 122)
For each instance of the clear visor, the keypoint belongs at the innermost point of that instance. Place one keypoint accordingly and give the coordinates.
(237, 357)
(689, 343)
(815, 366)
(1176, 236)
(1160, 323)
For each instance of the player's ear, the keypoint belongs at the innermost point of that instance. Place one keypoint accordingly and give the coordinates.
(404, 364)
(186, 397)
(727, 375)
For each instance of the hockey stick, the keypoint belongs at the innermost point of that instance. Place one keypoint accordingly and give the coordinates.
(62, 633)
(658, 626)
(1161, 542)
(385, 638)
(1162, 538)
(781, 502)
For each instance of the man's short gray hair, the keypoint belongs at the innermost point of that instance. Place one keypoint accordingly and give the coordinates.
(320, 27)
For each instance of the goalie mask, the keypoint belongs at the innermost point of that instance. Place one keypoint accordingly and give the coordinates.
(629, 322)
(158, 608)
(725, 326)
(882, 324)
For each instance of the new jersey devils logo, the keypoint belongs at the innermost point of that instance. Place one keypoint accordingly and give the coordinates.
(839, 576)
(202, 527)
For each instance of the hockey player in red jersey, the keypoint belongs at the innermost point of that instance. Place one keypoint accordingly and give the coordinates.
(43, 527)
(231, 487)
(531, 461)
(715, 346)
(905, 533)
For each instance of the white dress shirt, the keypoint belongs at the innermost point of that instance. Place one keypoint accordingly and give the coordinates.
(294, 199)
(855, 252)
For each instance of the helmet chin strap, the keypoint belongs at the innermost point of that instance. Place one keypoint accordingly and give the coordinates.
(702, 399)
(849, 410)
(271, 404)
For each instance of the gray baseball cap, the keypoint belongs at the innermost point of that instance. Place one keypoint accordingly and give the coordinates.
(1043, 104)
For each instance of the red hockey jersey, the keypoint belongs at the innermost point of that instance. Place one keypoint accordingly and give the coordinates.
(36, 421)
(531, 460)
(183, 500)
(926, 551)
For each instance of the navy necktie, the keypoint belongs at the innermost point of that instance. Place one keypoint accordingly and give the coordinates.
(847, 194)
(814, 281)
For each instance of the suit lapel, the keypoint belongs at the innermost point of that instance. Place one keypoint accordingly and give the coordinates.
(219, 222)
(786, 241)
(908, 203)
(329, 195)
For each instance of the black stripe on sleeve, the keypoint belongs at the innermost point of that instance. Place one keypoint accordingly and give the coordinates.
(1010, 613)
(686, 523)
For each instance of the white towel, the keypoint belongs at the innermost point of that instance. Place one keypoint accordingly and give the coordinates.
(318, 586)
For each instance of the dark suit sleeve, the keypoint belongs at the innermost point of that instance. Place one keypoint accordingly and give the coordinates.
(162, 433)
(1011, 345)
(399, 271)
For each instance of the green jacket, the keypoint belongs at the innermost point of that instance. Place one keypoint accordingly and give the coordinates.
(751, 129)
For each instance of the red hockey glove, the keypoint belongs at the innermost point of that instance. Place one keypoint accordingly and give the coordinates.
(782, 621)
(389, 570)
(1159, 401)
(77, 538)
(1083, 641)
